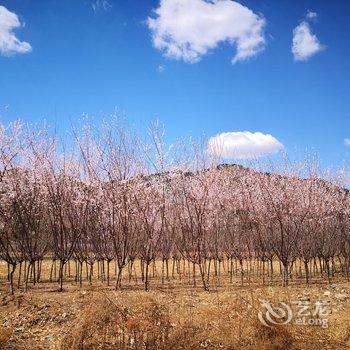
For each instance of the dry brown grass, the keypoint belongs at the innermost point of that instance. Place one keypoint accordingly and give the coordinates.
(178, 317)
(151, 321)
(5, 335)
(138, 320)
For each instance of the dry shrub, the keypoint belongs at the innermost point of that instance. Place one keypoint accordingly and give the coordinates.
(138, 321)
(272, 338)
(106, 323)
(5, 335)
(142, 321)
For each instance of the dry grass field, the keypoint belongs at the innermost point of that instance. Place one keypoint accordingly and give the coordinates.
(173, 315)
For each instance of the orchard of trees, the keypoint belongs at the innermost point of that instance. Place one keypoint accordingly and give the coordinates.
(106, 200)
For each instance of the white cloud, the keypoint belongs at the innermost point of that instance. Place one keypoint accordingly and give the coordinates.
(311, 15)
(189, 29)
(347, 142)
(9, 43)
(101, 5)
(243, 145)
(161, 68)
(305, 43)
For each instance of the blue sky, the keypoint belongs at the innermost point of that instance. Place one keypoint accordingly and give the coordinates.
(94, 57)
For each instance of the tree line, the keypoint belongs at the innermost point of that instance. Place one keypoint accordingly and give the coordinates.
(107, 199)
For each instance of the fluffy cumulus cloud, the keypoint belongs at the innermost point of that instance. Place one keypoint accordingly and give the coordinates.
(305, 43)
(9, 43)
(189, 29)
(347, 142)
(244, 145)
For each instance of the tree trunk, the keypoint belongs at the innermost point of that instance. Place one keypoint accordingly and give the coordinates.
(307, 273)
(11, 272)
(119, 277)
(146, 277)
(108, 262)
(242, 271)
(60, 277)
(19, 275)
(202, 272)
(285, 274)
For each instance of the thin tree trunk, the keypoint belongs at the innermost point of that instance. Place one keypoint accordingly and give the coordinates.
(146, 277)
(11, 272)
(119, 277)
(242, 271)
(61, 272)
(307, 274)
(19, 275)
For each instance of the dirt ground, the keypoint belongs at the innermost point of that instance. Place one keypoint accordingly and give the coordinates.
(173, 316)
